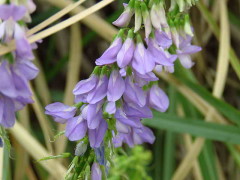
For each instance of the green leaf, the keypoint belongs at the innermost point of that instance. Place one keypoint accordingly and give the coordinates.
(63, 155)
(225, 133)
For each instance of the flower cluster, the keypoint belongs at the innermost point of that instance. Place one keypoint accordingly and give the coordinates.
(16, 68)
(123, 89)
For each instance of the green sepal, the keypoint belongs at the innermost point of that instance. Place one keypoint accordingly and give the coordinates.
(97, 71)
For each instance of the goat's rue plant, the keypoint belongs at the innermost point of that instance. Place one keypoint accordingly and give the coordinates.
(122, 90)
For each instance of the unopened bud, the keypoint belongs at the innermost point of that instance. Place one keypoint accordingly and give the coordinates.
(80, 148)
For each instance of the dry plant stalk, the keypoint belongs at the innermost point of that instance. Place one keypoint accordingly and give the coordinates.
(54, 18)
(58, 27)
(74, 66)
(35, 149)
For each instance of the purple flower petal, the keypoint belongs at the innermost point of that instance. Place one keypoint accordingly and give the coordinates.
(7, 112)
(186, 61)
(124, 19)
(85, 86)
(21, 85)
(94, 115)
(99, 92)
(158, 53)
(143, 62)
(121, 116)
(133, 93)
(116, 86)
(24, 49)
(27, 69)
(110, 55)
(133, 110)
(76, 128)
(60, 112)
(7, 83)
(12, 11)
(96, 173)
(191, 49)
(142, 135)
(125, 54)
(111, 108)
(142, 80)
(96, 135)
(158, 99)
(163, 39)
(122, 128)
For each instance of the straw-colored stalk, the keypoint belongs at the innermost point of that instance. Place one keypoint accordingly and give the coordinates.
(58, 27)
(43, 121)
(93, 21)
(41, 87)
(37, 151)
(73, 72)
(188, 143)
(22, 159)
(55, 17)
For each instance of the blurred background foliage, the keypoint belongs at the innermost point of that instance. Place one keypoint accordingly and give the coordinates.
(198, 138)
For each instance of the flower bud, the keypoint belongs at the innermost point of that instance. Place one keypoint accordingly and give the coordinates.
(138, 17)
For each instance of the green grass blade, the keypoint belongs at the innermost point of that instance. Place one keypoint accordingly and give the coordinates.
(169, 141)
(225, 133)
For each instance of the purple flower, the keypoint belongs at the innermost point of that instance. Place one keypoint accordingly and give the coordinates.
(110, 108)
(158, 99)
(83, 87)
(26, 68)
(124, 19)
(125, 54)
(146, 19)
(159, 54)
(143, 62)
(134, 93)
(7, 112)
(94, 115)
(96, 173)
(21, 85)
(162, 16)
(134, 137)
(100, 155)
(163, 40)
(122, 128)
(60, 111)
(133, 110)
(110, 55)
(96, 135)
(24, 49)
(142, 135)
(116, 86)
(12, 11)
(99, 92)
(76, 128)
(185, 50)
(142, 80)
(7, 86)
(121, 116)
(31, 7)
(155, 17)
(138, 16)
